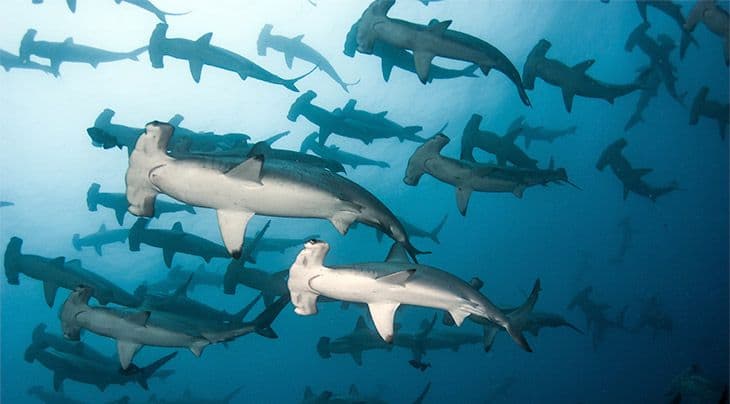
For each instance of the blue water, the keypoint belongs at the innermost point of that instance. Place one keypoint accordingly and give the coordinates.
(559, 234)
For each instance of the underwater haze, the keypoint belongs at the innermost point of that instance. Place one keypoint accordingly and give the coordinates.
(651, 241)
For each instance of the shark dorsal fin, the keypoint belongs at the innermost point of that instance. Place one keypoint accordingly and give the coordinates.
(361, 325)
(69, 41)
(177, 227)
(438, 27)
(398, 278)
(182, 290)
(102, 228)
(58, 262)
(350, 106)
(584, 65)
(298, 38)
(139, 318)
(205, 39)
(249, 170)
(397, 254)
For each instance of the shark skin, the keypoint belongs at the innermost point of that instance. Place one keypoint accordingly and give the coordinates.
(673, 11)
(253, 187)
(384, 286)
(271, 285)
(379, 124)
(173, 241)
(503, 147)
(467, 176)
(295, 48)
(714, 110)
(176, 276)
(715, 18)
(57, 273)
(8, 61)
(332, 152)
(571, 80)
(68, 51)
(653, 316)
(361, 339)
(429, 41)
(118, 203)
(101, 238)
(627, 235)
(200, 53)
(538, 133)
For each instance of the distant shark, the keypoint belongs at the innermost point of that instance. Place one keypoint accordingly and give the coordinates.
(715, 18)
(627, 235)
(200, 52)
(9, 61)
(118, 203)
(538, 133)
(100, 238)
(379, 124)
(143, 4)
(176, 276)
(333, 152)
(361, 339)
(6, 203)
(504, 147)
(270, 284)
(711, 109)
(651, 79)
(428, 339)
(653, 316)
(68, 51)
(294, 48)
(353, 396)
(571, 80)
(189, 398)
(673, 11)
(50, 397)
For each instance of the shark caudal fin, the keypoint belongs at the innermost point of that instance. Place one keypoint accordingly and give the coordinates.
(422, 396)
(291, 83)
(323, 347)
(135, 233)
(416, 164)
(241, 314)
(145, 373)
(434, 234)
(149, 152)
(529, 71)
(525, 309)
(133, 54)
(264, 320)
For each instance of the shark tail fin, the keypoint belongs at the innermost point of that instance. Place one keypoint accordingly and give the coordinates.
(416, 164)
(76, 241)
(434, 234)
(133, 54)
(135, 233)
(146, 372)
(512, 328)
(149, 152)
(264, 320)
(291, 83)
(323, 347)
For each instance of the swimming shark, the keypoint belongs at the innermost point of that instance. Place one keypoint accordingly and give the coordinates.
(176, 276)
(467, 176)
(99, 239)
(271, 285)
(189, 398)
(294, 48)
(429, 339)
(70, 3)
(692, 383)
(597, 323)
(416, 231)
(378, 124)
(118, 203)
(9, 61)
(333, 152)
(68, 51)
(537, 133)
(673, 11)
(143, 4)
(659, 53)
(390, 57)
(571, 80)
(503, 147)
(6, 203)
(42, 340)
(651, 78)
(429, 41)
(57, 273)
(353, 396)
(270, 188)
(702, 107)
(200, 52)
(133, 330)
(630, 177)
(652, 315)
(384, 286)
(361, 339)
(715, 18)
(627, 235)
(49, 397)
(172, 241)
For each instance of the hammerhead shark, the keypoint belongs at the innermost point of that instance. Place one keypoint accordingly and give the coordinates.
(80, 362)
(538, 133)
(118, 203)
(673, 11)
(702, 107)
(9, 61)
(429, 339)
(361, 339)
(200, 52)
(57, 273)
(653, 316)
(100, 238)
(4, 204)
(271, 285)
(503, 147)
(595, 313)
(715, 18)
(692, 383)
(378, 124)
(173, 241)
(429, 41)
(572, 80)
(176, 276)
(630, 177)
(651, 78)
(294, 48)
(332, 152)
(68, 51)
(467, 176)
(143, 4)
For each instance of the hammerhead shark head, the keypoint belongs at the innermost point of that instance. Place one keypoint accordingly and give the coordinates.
(188, 397)
(294, 48)
(467, 176)
(429, 41)
(200, 52)
(9, 61)
(693, 383)
(391, 56)
(537, 133)
(332, 152)
(504, 147)
(118, 203)
(715, 18)
(630, 177)
(173, 241)
(673, 11)
(702, 107)
(361, 339)
(596, 321)
(659, 52)
(68, 51)
(80, 362)
(58, 273)
(100, 238)
(429, 339)
(572, 80)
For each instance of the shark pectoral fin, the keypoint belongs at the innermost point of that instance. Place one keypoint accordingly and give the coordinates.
(357, 357)
(97, 248)
(196, 69)
(119, 213)
(519, 190)
(458, 315)
(305, 303)
(49, 292)
(386, 67)
(462, 199)
(584, 65)
(233, 227)
(167, 255)
(249, 171)
(490, 331)
(397, 278)
(126, 351)
(383, 315)
(423, 64)
(57, 381)
(568, 100)
(197, 346)
(289, 59)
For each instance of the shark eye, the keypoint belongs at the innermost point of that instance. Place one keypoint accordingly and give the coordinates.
(312, 241)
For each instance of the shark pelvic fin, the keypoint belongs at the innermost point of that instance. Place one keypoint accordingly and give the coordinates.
(126, 351)
(422, 61)
(383, 315)
(233, 227)
(462, 199)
